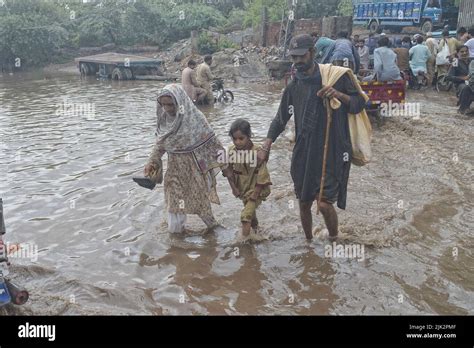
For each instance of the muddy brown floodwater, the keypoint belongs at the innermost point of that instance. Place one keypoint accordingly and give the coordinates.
(103, 247)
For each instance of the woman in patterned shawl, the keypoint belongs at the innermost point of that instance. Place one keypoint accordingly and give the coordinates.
(193, 152)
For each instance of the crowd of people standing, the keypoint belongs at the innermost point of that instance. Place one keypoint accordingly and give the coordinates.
(422, 60)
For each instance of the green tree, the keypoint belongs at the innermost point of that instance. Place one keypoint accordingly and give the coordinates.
(182, 19)
(345, 8)
(253, 16)
(30, 32)
(316, 9)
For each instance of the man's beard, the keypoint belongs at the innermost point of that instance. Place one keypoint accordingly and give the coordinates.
(304, 67)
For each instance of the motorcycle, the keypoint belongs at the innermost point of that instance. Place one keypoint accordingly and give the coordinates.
(9, 292)
(221, 95)
(415, 82)
(443, 83)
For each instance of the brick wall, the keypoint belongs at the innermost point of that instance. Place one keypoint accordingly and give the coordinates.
(307, 26)
(302, 26)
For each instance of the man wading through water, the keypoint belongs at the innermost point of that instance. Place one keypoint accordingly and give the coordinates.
(303, 99)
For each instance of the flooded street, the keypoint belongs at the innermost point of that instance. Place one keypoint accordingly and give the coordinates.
(102, 243)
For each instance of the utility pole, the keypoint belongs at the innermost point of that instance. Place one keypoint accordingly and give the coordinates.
(290, 26)
(264, 25)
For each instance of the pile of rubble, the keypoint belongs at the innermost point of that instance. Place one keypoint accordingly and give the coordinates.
(266, 54)
(248, 64)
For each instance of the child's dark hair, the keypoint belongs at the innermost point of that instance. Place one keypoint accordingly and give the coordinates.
(240, 125)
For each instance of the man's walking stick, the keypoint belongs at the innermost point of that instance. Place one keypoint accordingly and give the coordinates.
(325, 156)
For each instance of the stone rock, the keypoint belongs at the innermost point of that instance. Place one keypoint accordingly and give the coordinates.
(183, 53)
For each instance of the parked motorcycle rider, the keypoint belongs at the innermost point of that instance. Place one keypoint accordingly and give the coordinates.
(205, 77)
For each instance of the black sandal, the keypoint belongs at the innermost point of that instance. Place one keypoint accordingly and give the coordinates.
(145, 182)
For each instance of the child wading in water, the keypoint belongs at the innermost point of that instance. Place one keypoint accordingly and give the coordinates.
(249, 182)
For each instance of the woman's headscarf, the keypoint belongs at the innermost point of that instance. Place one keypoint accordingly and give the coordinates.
(188, 131)
(185, 131)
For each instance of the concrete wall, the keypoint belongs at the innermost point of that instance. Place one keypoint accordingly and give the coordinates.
(466, 14)
(307, 26)
(333, 25)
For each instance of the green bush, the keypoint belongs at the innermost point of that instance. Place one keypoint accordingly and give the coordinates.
(235, 19)
(207, 44)
(182, 19)
(224, 43)
(27, 36)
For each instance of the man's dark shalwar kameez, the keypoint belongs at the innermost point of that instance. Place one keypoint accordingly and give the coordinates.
(310, 122)
(2, 221)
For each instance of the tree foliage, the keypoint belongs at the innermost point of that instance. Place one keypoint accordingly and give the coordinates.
(345, 8)
(36, 30)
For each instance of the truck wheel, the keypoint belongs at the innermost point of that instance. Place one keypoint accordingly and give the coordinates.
(373, 26)
(427, 27)
(127, 72)
(84, 69)
(92, 69)
(118, 74)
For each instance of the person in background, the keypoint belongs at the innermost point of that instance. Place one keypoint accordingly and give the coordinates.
(205, 77)
(190, 84)
(413, 40)
(403, 55)
(343, 53)
(379, 32)
(391, 43)
(459, 74)
(355, 39)
(470, 42)
(322, 46)
(432, 45)
(371, 43)
(466, 97)
(452, 43)
(385, 62)
(463, 35)
(406, 42)
(419, 56)
(315, 36)
(363, 51)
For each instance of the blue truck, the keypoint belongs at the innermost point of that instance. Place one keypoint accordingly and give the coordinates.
(397, 14)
